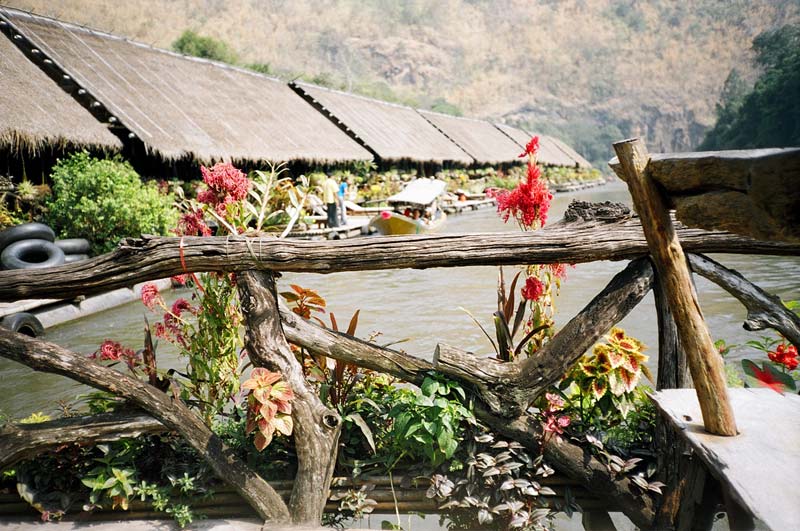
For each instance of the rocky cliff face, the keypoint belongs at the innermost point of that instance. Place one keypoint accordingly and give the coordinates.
(592, 71)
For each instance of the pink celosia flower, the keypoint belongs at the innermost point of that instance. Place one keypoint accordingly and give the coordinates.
(109, 350)
(533, 289)
(559, 270)
(226, 184)
(181, 305)
(192, 224)
(150, 295)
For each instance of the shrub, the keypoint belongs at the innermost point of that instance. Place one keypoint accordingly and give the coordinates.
(104, 201)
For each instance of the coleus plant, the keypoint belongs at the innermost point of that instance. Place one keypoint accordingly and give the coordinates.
(269, 407)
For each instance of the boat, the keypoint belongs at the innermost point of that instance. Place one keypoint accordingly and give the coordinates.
(415, 210)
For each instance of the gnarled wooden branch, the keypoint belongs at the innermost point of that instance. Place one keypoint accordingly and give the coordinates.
(19, 442)
(172, 413)
(763, 309)
(506, 388)
(151, 257)
(568, 458)
(316, 427)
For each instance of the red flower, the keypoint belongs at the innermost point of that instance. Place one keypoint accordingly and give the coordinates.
(150, 295)
(785, 355)
(528, 202)
(226, 185)
(181, 305)
(531, 148)
(110, 351)
(533, 289)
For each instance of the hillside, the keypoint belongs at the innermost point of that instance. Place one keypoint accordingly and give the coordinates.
(592, 71)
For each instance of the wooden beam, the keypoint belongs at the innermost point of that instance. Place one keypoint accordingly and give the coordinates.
(751, 192)
(24, 441)
(705, 363)
(141, 260)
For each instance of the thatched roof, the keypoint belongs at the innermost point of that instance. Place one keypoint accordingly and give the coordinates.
(566, 148)
(393, 132)
(187, 107)
(550, 152)
(480, 139)
(35, 113)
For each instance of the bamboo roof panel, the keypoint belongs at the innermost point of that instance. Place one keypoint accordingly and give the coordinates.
(479, 138)
(187, 107)
(35, 112)
(549, 152)
(393, 132)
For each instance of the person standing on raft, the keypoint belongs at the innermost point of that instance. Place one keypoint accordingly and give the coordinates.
(330, 191)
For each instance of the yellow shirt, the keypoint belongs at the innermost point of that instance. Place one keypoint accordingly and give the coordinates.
(329, 190)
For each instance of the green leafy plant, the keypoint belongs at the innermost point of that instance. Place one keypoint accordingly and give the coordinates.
(104, 201)
(429, 424)
(114, 476)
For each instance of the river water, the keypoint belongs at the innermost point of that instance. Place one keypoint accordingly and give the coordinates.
(421, 307)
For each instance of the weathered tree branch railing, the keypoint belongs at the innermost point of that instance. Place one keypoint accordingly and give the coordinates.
(503, 392)
(147, 258)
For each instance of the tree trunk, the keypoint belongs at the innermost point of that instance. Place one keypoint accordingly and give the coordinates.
(171, 412)
(316, 427)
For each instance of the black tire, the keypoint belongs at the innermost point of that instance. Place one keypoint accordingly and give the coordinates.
(31, 254)
(74, 246)
(24, 323)
(70, 258)
(26, 231)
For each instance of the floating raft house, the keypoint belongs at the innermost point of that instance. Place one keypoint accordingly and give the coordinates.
(37, 114)
(183, 107)
(480, 139)
(391, 132)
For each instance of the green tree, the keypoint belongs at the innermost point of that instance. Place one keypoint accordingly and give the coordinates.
(191, 43)
(769, 116)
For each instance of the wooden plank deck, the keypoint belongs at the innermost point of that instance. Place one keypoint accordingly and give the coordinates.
(760, 466)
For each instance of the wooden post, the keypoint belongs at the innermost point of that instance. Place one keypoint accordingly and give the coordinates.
(705, 363)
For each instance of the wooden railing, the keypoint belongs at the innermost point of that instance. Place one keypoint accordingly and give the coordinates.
(502, 391)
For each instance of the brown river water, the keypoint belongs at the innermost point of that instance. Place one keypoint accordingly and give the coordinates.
(422, 306)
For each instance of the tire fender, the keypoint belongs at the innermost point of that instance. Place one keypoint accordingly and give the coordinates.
(24, 323)
(31, 254)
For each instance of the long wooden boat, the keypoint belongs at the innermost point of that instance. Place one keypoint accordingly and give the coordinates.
(415, 210)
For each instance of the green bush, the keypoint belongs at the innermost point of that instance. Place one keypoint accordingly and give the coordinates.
(191, 43)
(104, 201)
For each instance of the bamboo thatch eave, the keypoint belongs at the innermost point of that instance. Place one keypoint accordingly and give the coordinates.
(479, 138)
(392, 132)
(188, 108)
(35, 114)
(550, 154)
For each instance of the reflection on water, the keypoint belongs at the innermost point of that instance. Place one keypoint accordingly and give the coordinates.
(422, 306)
